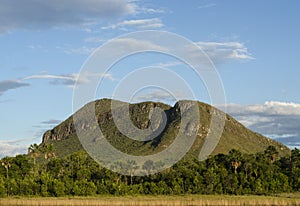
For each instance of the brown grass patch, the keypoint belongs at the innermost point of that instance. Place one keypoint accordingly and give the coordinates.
(189, 200)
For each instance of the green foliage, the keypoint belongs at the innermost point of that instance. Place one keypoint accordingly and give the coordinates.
(84, 188)
(58, 188)
(2, 187)
(27, 186)
(78, 175)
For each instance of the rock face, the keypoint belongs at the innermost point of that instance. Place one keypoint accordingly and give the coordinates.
(59, 133)
(234, 136)
(139, 114)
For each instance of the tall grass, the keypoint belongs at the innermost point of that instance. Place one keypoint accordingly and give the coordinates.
(153, 201)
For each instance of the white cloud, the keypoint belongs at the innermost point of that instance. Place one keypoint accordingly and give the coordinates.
(276, 108)
(132, 44)
(207, 6)
(222, 51)
(70, 79)
(158, 96)
(11, 148)
(276, 136)
(278, 120)
(49, 76)
(44, 14)
(269, 108)
(153, 23)
(218, 52)
(123, 44)
(150, 10)
(168, 64)
(155, 95)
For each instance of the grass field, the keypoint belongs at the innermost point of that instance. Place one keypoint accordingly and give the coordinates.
(189, 200)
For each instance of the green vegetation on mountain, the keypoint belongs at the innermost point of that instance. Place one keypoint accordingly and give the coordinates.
(234, 136)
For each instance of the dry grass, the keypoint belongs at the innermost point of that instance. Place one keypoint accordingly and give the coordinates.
(153, 201)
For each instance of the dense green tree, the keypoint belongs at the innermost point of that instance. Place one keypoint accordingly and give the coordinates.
(57, 188)
(211, 180)
(2, 187)
(271, 153)
(84, 188)
(27, 186)
(78, 174)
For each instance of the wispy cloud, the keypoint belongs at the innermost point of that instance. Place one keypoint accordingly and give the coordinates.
(269, 108)
(278, 120)
(153, 23)
(67, 80)
(168, 64)
(207, 5)
(70, 79)
(44, 14)
(11, 84)
(218, 52)
(51, 122)
(222, 51)
(132, 44)
(150, 10)
(158, 95)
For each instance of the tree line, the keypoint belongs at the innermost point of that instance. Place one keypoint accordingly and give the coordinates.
(41, 173)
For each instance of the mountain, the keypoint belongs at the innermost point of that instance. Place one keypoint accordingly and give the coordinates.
(234, 136)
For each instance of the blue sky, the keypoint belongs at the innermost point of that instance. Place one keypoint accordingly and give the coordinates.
(43, 45)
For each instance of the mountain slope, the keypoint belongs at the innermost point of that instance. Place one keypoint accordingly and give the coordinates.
(234, 136)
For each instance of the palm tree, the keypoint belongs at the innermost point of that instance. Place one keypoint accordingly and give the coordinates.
(6, 163)
(34, 152)
(48, 151)
(132, 167)
(235, 158)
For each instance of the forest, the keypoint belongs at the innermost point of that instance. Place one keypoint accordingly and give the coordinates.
(41, 173)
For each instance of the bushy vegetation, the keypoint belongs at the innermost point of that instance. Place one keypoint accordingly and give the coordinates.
(77, 174)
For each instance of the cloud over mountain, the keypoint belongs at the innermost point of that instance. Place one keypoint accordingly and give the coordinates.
(278, 120)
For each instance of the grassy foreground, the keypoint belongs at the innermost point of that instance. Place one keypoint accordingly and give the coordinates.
(154, 200)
